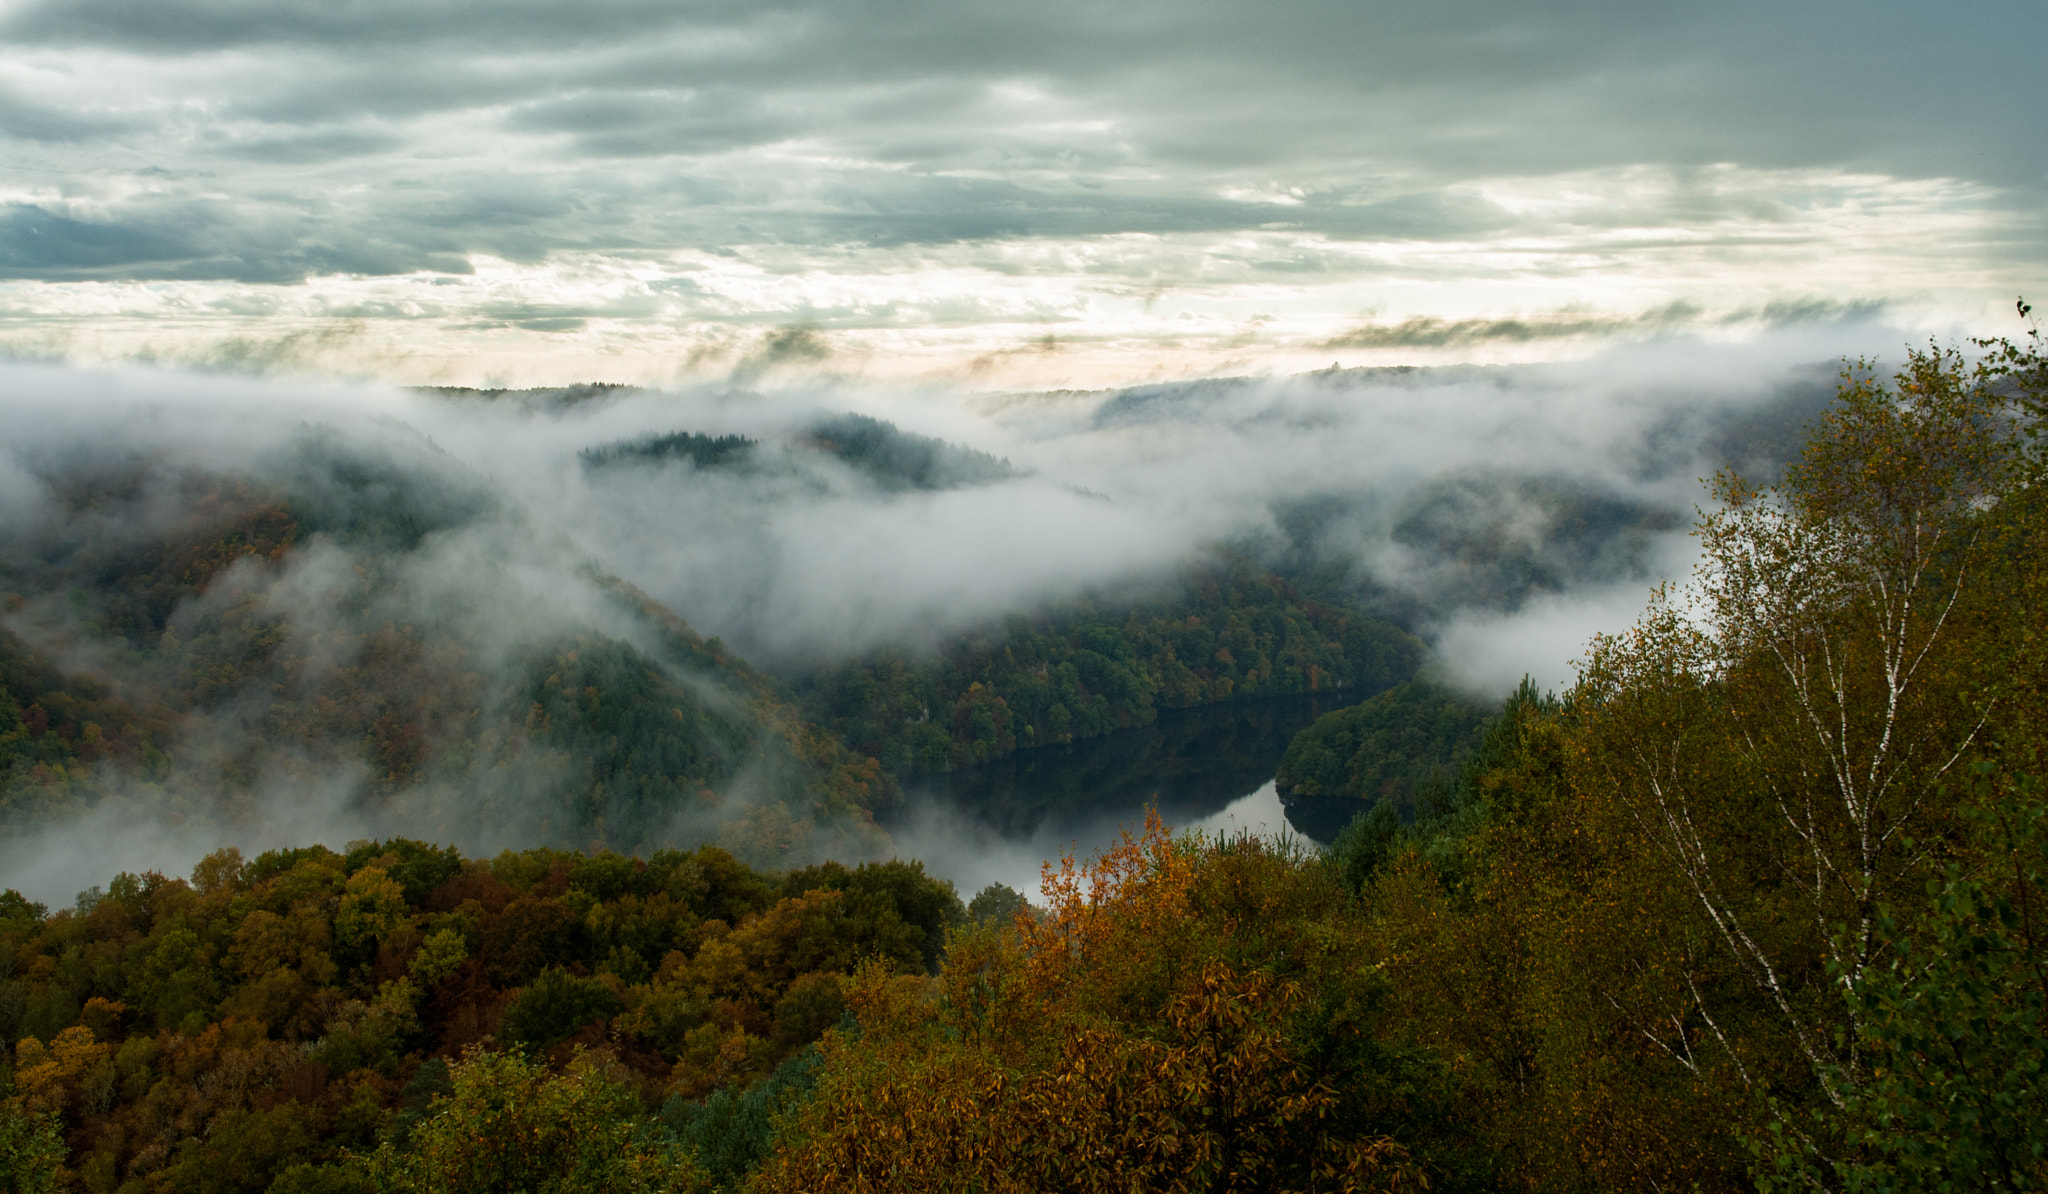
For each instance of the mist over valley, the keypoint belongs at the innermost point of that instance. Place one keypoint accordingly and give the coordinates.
(258, 612)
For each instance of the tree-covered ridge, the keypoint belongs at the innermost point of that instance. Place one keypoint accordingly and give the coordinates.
(551, 398)
(897, 460)
(216, 1033)
(1758, 902)
(289, 630)
(703, 451)
(888, 457)
(1390, 748)
(1088, 667)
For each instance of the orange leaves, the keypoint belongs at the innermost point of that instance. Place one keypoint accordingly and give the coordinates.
(49, 1074)
(1111, 1045)
(1097, 912)
(1224, 1102)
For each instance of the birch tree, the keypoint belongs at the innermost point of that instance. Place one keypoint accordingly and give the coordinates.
(1782, 734)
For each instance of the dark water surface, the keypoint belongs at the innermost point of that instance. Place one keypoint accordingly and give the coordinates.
(1210, 767)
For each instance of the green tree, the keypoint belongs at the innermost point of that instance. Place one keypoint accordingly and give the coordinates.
(1953, 1088)
(31, 1148)
(510, 1126)
(1780, 732)
(555, 1005)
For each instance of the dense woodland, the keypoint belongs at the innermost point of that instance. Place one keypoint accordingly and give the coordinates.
(1394, 754)
(1232, 631)
(272, 1014)
(1758, 902)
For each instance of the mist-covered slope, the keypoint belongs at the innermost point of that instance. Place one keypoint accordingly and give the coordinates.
(1224, 630)
(349, 629)
(263, 613)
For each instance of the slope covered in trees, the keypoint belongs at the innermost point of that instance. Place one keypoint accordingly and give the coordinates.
(230, 1032)
(1401, 748)
(1085, 668)
(356, 616)
(888, 457)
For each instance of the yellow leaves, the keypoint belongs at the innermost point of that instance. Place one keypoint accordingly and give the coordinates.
(1104, 1047)
(1112, 911)
(372, 907)
(266, 942)
(47, 1073)
(440, 955)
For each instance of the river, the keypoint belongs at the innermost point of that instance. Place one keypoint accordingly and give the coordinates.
(1210, 768)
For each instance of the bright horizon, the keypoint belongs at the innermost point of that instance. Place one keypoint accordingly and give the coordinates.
(1084, 195)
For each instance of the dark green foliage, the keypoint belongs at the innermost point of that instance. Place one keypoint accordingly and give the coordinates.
(322, 1179)
(813, 1003)
(608, 876)
(416, 1100)
(277, 862)
(1952, 1092)
(892, 908)
(418, 867)
(555, 1006)
(703, 451)
(1090, 667)
(731, 1132)
(1392, 748)
(998, 902)
(243, 1151)
(384, 498)
(713, 884)
(640, 742)
(1365, 844)
(895, 459)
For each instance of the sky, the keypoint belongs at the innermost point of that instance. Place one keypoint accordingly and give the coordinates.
(998, 195)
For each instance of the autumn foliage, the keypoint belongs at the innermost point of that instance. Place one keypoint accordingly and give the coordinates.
(1181, 1017)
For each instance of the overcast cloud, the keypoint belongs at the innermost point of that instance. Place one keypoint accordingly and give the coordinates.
(1071, 193)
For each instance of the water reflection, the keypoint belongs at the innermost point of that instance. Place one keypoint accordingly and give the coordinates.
(1210, 768)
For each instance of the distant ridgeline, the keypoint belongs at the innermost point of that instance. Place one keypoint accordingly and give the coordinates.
(1089, 667)
(901, 460)
(704, 451)
(538, 398)
(891, 458)
(285, 629)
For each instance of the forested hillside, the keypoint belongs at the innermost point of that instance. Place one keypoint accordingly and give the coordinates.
(349, 616)
(1400, 750)
(889, 458)
(272, 1017)
(1230, 631)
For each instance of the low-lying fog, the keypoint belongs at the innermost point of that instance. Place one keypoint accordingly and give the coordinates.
(1503, 513)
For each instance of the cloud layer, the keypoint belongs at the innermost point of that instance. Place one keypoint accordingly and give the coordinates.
(639, 191)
